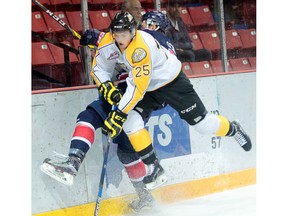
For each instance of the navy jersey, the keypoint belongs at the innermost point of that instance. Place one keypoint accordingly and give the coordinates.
(162, 39)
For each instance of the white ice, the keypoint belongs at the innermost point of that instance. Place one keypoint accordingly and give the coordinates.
(234, 202)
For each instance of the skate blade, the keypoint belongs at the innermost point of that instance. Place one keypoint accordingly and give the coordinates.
(64, 178)
(159, 181)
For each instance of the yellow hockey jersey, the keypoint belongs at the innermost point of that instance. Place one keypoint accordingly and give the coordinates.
(150, 66)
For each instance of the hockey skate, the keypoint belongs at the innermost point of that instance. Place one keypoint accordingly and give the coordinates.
(64, 171)
(241, 136)
(156, 178)
(144, 201)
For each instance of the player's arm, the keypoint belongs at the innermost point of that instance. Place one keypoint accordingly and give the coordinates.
(137, 83)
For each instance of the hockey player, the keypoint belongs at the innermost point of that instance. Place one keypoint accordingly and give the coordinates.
(88, 121)
(156, 23)
(155, 77)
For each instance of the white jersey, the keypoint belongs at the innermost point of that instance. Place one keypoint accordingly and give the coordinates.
(150, 66)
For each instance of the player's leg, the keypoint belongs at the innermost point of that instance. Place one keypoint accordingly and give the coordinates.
(136, 171)
(181, 95)
(82, 139)
(142, 143)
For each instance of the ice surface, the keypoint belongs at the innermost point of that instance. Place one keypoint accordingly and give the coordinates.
(235, 202)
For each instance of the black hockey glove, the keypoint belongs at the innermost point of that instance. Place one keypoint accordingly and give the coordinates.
(90, 37)
(114, 122)
(110, 93)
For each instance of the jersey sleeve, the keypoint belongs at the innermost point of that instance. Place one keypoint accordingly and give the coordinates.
(102, 69)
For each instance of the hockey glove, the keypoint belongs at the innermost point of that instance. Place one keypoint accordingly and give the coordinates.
(114, 122)
(110, 93)
(90, 37)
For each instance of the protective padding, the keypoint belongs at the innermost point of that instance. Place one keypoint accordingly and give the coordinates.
(140, 140)
(136, 170)
(133, 123)
(209, 125)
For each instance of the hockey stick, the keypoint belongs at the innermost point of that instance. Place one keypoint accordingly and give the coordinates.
(61, 22)
(103, 172)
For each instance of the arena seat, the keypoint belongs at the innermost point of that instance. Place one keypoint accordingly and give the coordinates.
(252, 61)
(217, 66)
(78, 2)
(38, 22)
(41, 54)
(200, 68)
(102, 1)
(196, 40)
(240, 64)
(112, 13)
(248, 38)
(53, 25)
(117, 1)
(211, 41)
(201, 16)
(100, 19)
(58, 53)
(75, 20)
(186, 68)
(186, 18)
(43, 2)
(60, 2)
(233, 40)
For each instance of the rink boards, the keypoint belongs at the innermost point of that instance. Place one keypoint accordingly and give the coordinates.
(195, 164)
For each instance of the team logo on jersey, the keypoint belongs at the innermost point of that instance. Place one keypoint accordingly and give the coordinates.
(113, 55)
(101, 35)
(138, 55)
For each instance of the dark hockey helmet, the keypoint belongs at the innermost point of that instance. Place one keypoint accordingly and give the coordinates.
(156, 18)
(123, 21)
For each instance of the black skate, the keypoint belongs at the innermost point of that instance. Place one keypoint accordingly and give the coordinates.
(157, 178)
(145, 200)
(64, 171)
(241, 136)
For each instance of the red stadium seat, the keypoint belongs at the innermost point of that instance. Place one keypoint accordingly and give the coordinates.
(240, 64)
(233, 40)
(78, 2)
(60, 2)
(101, 1)
(211, 41)
(112, 13)
(217, 66)
(202, 67)
(75, 20)
(100, 19)
(186, 18)
(38, 22)
(117, 1)
(252, 61)
(196, 40)
(58, 53)
(43, 2)
(41, 54)
(248, 38)
(186, 68)
(201, 16)
(53, 25)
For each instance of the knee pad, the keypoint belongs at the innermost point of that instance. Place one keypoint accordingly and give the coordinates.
(209, 125)
(133, 123)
